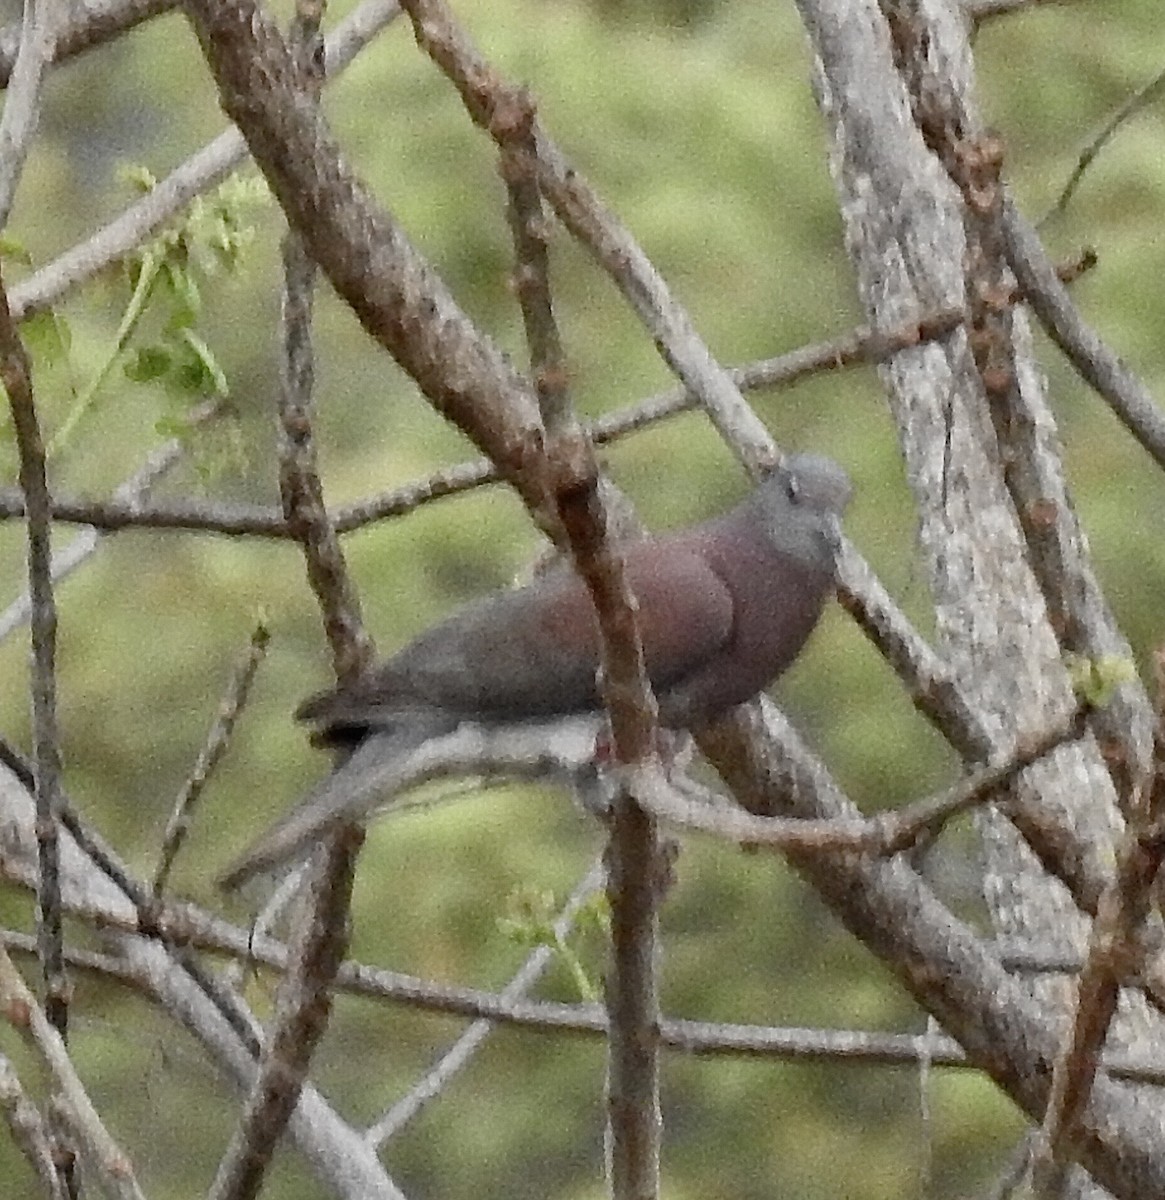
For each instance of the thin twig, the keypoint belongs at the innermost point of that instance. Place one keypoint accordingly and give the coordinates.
(857, 347)
(204, 170)
(489, 101)
(22, 100)
(928, 680)
(459, 1055)
(886, 833)
(302, 1010)
(632, 855)
(128, 496)
(1029, 451)
(299, 479)
(1096, 364)
(940, 123)
(362, 248)
(172, 977)
(704, 1039)
(304, 1002)
(942, 962)
(530, 230)
(635, 882)
(215, 746)
(1111, 959)
(150, 918)
(82, 27)
(1138, 100)
(90, 1136)
(17, 380)
(28, 1129)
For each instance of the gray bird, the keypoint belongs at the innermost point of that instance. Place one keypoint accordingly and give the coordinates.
(724, 608)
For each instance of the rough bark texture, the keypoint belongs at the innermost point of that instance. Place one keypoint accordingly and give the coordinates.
(905, 232)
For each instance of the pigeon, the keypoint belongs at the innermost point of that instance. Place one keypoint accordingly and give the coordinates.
(724, 608)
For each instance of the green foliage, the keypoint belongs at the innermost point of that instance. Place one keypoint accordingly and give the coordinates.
(1095, 680)
(157, 339)
(531, 922)
(47, 337)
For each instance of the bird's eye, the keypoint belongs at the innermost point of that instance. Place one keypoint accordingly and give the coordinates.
(792, 488)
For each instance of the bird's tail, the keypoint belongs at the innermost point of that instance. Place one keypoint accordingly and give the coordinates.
(374, 769)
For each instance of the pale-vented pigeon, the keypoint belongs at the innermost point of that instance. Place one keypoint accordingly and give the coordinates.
(724, 608)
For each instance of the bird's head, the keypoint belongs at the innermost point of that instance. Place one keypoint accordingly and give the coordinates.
(815, 482)
(801, 503)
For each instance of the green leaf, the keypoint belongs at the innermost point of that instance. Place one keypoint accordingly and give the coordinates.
(13, 249)
(595, 914)
(47, 336)
(139, 177)
(199, 371)
(1097, 679)
(530, 919)
(172, 425)
(149, 363)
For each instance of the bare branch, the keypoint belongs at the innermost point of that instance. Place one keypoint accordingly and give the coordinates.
(530, 230)
(85, 1126)
(458, 1056)
(299, 480)
(29, 1131)
(127, 497)
(22, 102)
(703, 1038)
(175, 979)
(885, 833)
(937, 958)
(632, 854)
(302, 1010)
(17, 380)
(217, 741)
(1139, 99)
(202, 171)
(82, 25)
(304, 1002)
(1111, 959)
(186, 925)
(858, 347)
(488, 101)
(633, 859)
(1097, 365)
(1029, 450)
(360, 247)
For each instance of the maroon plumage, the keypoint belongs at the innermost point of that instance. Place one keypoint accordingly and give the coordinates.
(724, 608)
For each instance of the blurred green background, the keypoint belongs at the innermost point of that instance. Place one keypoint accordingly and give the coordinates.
(695, 121)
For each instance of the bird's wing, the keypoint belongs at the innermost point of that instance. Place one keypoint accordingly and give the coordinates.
(686, 611)
(533, 652)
